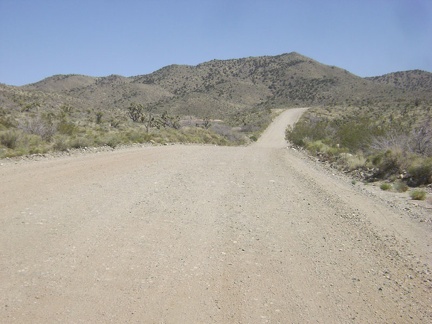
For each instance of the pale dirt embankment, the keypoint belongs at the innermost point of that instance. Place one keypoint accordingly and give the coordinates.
(203, 234)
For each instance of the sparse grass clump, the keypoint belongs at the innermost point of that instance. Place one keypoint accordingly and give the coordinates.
(418, 194)
(400, 186)
(385, 186)
(352, 161)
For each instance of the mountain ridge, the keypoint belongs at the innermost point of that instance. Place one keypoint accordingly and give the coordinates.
(218, 88)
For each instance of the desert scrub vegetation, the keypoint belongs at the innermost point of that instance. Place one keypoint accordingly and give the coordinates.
(418, 194)
(39, 132)
(400, 186)
(385, 186)
(383, 141)
(16, 143)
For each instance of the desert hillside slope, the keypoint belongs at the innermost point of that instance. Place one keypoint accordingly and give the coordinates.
(223, 102)
(221, 87)
(415, 80)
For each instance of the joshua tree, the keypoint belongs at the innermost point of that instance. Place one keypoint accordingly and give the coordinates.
(138, 113)
(135, 112)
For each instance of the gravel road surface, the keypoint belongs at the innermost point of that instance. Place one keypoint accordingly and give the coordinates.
(205, 234)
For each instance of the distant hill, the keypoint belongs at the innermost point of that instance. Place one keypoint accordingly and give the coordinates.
(219, 88)
(60, 82)
(414, 80)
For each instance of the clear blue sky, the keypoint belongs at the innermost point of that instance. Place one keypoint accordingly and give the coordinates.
(40, 38)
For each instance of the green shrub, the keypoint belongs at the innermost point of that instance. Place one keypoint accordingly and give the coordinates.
(19, 143)
(307, 130)
(113, 141)
(421, 171)
(138, 136)
(67, 128)
(390, 140)
(80, 142)
(352, 161)
(354, 135)
(9, 139)
(6, 122)
(418, 194)
(317, 147)
(99, 115)
(33, 144)
(61, 143)
(385, 186)
(391, 163)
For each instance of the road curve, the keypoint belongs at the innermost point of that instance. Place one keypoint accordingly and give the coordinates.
(204, 234)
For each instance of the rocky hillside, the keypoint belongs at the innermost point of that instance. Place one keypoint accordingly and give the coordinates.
(219, 88)
(415, 80)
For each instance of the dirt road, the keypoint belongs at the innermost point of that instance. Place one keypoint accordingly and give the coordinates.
(204, 234)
